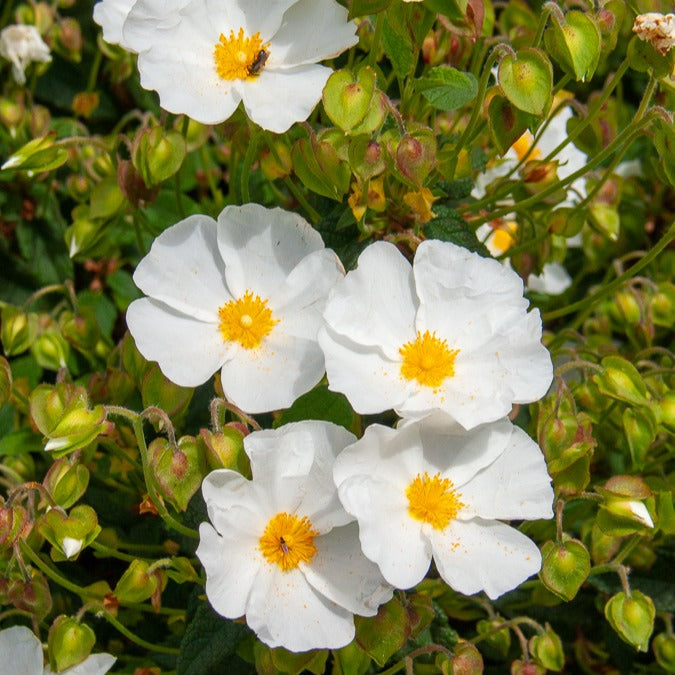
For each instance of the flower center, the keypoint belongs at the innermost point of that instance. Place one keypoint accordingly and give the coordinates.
(504, 236)
(239, 57)
(433, 500)
(288, 541)
(428, 360)
(246, 321)
(524, 144)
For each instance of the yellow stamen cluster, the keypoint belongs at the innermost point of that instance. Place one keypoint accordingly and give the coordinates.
(246, 320)
(504, 236)
(428, 359)
(237, 56)
(288, 540)
(523, 146)
(433, 500)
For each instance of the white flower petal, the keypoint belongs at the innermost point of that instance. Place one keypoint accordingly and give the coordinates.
(184, 270)
(225, 489)
(273, 375)
(285, 611)
(294, 466)
(231, 566)
(278, 98)
(94, 664)
(302, 296)
(261, 247)
(20, 647)
(71, 547)
(389, 536)
(340, 572)
(481, 555)
(253, 16)
(21, 44)
(189, 352)
(553, 280)
(515, 486)
(371, 382)
(312, 30)
(110, 15)
(375, 304)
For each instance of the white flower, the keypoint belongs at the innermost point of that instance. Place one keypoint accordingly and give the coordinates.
(203, 58)
(22, 649)
(432, 490)
(499, 236)
(22, 44)
(282, 550)
(244, 294)
(450, 333)
(658, 29)
(111, 15)
(570, 158)
(71, 547)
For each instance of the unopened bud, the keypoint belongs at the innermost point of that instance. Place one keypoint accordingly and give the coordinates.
(69, 643)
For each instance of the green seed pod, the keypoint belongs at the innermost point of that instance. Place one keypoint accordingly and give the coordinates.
(69, 642)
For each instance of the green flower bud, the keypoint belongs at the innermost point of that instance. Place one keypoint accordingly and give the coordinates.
(179, 470)
(366, 157)
(137, 584)
(12, 112)
(497, 643)
(564, 567)
(639, 425)
(466, 659)
(320, 168)
(66, 482)
(663, 646)
(14, 524)
(50, 350)
(31, 596)
(632, 617)
(621, 380)
(665, 410)
(158, 154)
(159, 391)
(69, 533)
(276, 164)
(519, 667)
(662, 305)
(416, 156)
(225, 450)
(69, 642)
(547, 650)
(18, 329)
(81, 330)
(623, 510)
(346, 98)
(61, 413)
(39, 121)
(625, 308)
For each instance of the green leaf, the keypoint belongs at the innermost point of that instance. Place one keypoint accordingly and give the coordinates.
(383, 635)
(20, 441)
(319, 404)
(527, 80)
(346, 98)
(209, 646)
(366, 7)
(447, 88)
(448, 225)
(398, 49)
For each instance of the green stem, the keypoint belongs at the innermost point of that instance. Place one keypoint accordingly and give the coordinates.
(216, 194)
(592, 113)
(93, 73)
(646, 98)
(108, 552)
(135, 639)
(477, 104)
(54, 288)
(249, 158)
(377, 37)
(626, 136)
(609, 288)
(137, 425)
